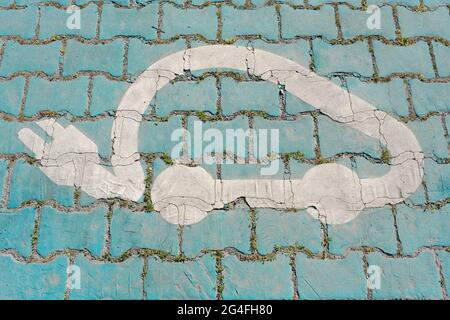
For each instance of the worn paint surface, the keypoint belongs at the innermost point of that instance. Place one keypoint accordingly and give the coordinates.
(94, 207)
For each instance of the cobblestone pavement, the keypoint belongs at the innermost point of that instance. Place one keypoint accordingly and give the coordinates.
(59, 242)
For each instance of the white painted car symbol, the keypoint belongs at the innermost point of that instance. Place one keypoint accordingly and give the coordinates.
(185, 195)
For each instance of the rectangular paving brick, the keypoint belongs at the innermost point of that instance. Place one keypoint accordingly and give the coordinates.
(428, 23)
(407, 278)
(187, 95)
(251, 171)
(366, 169)
(332, 133)
(306, 22)
(388, 96)
(444, 259)
(418, 197)
(145, 55)
(10, 128)
(418, 228)
(331, 279)
(93, 57)
(38, 187)
(181, 280)
(106, 95)
(352, 58)
(16, 230)
(295, 50)
(372, 228)
(294, 105)
(75, 230)
(257, 280)
(249, 95)
(156, 129)
(442, 56)
(238, 123)
(43, 281)
(17, 58)
(11, 92)
(297, 134)
(106, 281)
(355, 23)
(431, 135)
(282, 229)
(430, 97)
(134, 230)
(415, 59)
(436, 176)
(259, 22)
(60, 96)
(140, 22)
(20, 22)
(54, 22)
(223, 229)
(189, 22)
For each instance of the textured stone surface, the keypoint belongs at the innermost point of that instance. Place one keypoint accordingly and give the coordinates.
(445, 265)
(415, 59)
(59, 96)
(223, 229)
(354, 23)
(53, 22)
(129, 22)
(300, 22)
(19, 22)
(81, 57)
(106, 281)
(372, 228)
(124, 248)
(139, 230)
(418, 228)
(16, 230)
(407, 278)
(335, 279)
(261, 22)
(32, 280)
(77, 230)
(430, 97)
(19, 58)
(279, 229)
(257, 280)
(11, 95)
(352, 58)
(424, 23)
(176, 280)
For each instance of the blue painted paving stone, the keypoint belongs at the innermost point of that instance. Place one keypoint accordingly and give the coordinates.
(324, 279)
(234, 150)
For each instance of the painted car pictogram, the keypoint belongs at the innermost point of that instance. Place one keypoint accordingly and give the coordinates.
(185, 194)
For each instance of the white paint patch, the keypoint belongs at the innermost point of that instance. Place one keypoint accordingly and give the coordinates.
(184, 195)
